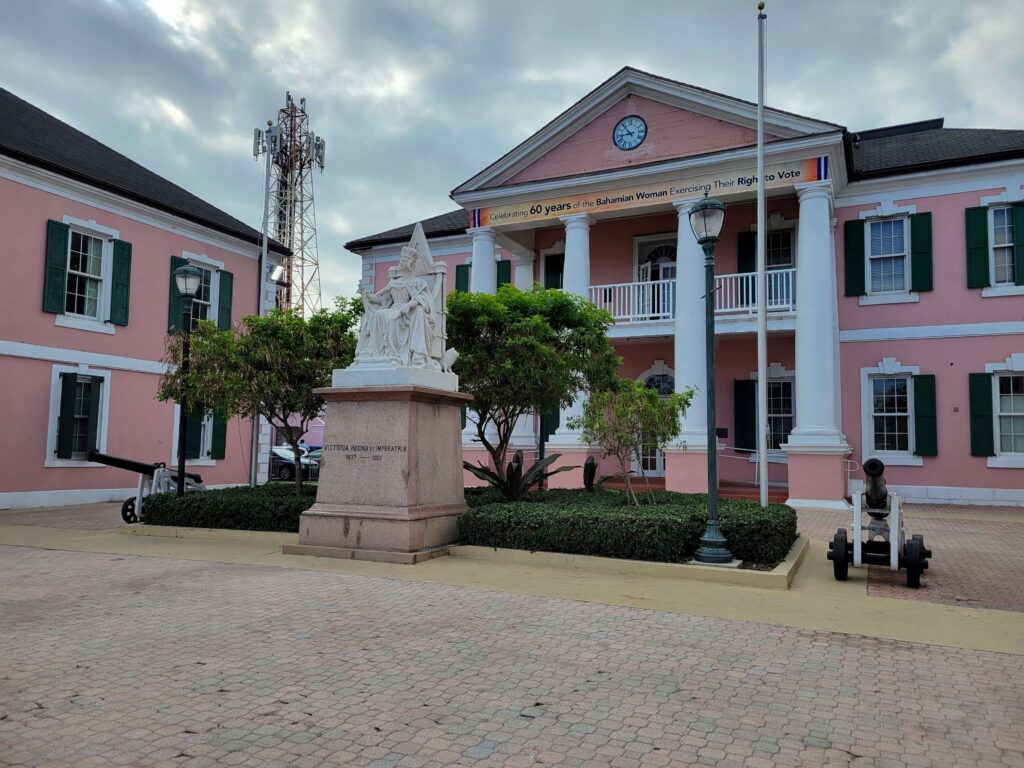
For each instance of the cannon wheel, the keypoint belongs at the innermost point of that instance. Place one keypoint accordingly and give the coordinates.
(914, 555)
(840, 565)
(286, 473)
(128, 510)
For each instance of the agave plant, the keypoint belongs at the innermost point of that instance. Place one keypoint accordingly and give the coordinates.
(516, 481)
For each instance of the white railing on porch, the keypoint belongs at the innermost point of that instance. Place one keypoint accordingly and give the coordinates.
(738, 293)
(644, 302)
(655, 300)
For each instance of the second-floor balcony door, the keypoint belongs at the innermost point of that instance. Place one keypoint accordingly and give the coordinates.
(656, 274)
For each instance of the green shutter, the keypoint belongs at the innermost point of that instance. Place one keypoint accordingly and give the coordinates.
(853, 257)
(55, 275)
(227, 283)
(121, 283)
(549, 422)
(921, 252)
(219, 437)
(175, 307)
(746, 252)
(926, 442)
(982, 434)
(66, 415)
(504, 273)
(744, 414)
(554, 267)
(1018, 243)
(462, 411)
(94, 412)
(462, 278)
(194, 437)
(977, 247)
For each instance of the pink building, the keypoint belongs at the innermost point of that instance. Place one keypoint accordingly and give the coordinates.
(85, 309)
(895, 286)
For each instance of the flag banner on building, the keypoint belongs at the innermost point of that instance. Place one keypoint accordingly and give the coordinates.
(641, 195)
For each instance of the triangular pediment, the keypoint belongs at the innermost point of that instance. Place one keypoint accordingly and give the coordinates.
(682, 121)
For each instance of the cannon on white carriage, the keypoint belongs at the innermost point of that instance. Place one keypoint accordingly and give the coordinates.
(153, 478)
(882, 541)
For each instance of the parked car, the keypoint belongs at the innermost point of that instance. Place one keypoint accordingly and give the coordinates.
(282, 464)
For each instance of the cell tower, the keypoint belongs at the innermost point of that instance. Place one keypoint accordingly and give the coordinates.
(293, 151)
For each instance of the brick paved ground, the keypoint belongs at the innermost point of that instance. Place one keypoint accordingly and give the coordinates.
(977, 554)
(109, 660)
(88, 517)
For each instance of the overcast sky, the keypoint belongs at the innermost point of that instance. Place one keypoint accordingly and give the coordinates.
(414, 97)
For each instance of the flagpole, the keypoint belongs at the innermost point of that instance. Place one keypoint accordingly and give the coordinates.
(762, 281)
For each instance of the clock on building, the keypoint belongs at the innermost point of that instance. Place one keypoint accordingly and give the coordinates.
(630, 132)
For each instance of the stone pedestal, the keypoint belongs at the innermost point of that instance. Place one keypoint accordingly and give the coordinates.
(390, 484)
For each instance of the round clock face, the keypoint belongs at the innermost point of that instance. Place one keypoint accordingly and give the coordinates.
(630, 132)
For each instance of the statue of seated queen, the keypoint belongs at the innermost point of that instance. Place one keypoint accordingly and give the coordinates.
(403, 323)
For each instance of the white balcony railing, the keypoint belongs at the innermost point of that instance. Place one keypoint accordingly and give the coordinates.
(655, 300)
(644, 302)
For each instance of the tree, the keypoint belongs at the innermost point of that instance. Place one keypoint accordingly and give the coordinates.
(526, 352)
(267, 366)
(628, 418)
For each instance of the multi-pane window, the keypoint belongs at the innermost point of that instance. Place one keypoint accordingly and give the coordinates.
(1010, 413)
(780, 413)
(80, 428)
(779, 249)
(201, 304)
(890, 413)
(1002, 246)
(85, 281)
(887, 256)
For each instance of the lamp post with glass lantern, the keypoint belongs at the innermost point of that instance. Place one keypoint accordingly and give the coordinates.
(187, 279)
(706, 219)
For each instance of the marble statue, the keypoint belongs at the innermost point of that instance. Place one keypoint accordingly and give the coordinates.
(403, 323)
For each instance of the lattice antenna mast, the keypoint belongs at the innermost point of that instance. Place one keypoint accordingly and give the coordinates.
(296, 153)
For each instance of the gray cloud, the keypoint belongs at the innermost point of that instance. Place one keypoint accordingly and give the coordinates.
(415, 97)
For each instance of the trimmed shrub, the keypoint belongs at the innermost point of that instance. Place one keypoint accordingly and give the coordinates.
(602, 524)
(263, 508)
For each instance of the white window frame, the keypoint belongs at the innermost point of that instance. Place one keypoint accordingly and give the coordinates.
(777, 372)
(905, 220)
(639, 241)
(1014, 364)
(1005, 198)
(887, 210)
(51, 459)
(1000, 289)
(887, 368)
(106, 235)
(205, 445)
(203, 261)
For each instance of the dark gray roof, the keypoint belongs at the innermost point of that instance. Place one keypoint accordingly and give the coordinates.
(921, 146)
(30, 135)
(451, 223)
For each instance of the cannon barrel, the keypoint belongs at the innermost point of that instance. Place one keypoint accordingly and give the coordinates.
(139, 467)
(875, 491)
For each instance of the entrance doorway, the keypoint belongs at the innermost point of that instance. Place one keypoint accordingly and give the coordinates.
(661, 378)
(656, 278)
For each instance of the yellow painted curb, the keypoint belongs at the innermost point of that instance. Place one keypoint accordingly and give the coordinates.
(212, 534)
(779, 577)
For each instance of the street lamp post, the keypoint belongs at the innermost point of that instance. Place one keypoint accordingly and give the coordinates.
(187, 279)
(706, 219)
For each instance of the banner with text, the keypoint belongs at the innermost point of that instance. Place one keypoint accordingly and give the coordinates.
(638, 196)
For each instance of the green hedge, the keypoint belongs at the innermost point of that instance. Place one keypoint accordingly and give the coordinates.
(666, 529)
(263, 508)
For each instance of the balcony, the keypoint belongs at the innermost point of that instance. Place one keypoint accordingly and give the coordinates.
(654, 302)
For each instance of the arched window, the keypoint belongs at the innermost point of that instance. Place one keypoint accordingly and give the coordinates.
(663, 382)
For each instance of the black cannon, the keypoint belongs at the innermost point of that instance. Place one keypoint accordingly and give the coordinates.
(885, 542)
(153, 478)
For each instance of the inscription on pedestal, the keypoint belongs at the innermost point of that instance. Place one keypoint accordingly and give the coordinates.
(370, 452)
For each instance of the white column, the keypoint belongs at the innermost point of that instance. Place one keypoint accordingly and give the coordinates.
(523, 434)
(690, 331)
(817, 428)
(522, 272)
(483, 275)
(576, 280)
